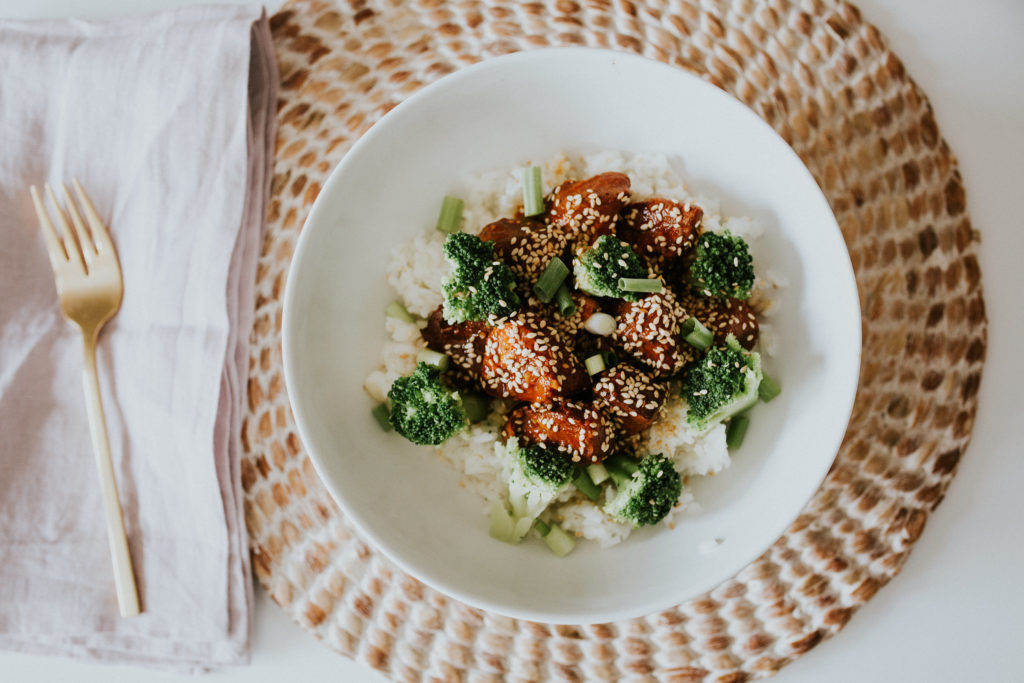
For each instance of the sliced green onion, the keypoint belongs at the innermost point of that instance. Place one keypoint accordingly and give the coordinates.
(450, 219)
(696, 334)
(566, 306)
(600, 324)
(610, 359)
(503, 525)
(431, 357)
(598, 473)
(586, 486)
(476, 407)
(768, 389)
(735, 431)
(595, 364)
(550, 280)
(383, 416)
(623, 463)
(541, 526)
(620, 468)
(640, 284)
(560, 543)
(396, 310)
(533, 192)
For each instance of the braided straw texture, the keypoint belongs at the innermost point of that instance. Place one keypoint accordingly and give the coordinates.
(827, 82)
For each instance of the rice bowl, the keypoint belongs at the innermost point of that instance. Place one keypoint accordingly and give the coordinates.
(410, 506)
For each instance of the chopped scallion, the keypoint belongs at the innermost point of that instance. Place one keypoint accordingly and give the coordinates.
(503, 525)
(620, 468)
(600, 324)
(768, 389)
(431, 357)
(598, 473)
(541, 526)
(586, 486)
(450, 219)
(639, 284)
(533, 192)
(396, 310)
(610, 359)
(566, 306)
(696, 334)
(383, 417)
(551, 279)
(595, 364)
(476, 407)
(735, 431)
(560, 543)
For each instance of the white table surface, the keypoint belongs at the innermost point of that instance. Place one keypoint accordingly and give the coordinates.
(956, 613)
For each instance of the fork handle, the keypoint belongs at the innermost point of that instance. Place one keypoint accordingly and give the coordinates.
(124, 577)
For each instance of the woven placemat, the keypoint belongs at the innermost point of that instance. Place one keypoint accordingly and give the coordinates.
(827, 82)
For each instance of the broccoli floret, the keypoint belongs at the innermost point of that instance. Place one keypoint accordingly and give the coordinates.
(479, 287)
(721, 384)
(722, 266)
(599, 268)
(537, 474)
(423, 410)
(648, 495)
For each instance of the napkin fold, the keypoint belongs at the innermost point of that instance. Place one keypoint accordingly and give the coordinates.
(167, 120)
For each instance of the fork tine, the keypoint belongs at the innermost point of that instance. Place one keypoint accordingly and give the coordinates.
(85, 239)
(54, 245)
(100, 234)
(70, 241)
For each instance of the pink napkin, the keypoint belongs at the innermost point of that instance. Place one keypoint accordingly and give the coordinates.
(167, 120)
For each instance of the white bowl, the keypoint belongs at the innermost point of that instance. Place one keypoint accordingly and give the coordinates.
(508, 111)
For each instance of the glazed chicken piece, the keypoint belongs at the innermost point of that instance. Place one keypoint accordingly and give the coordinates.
(526, 359)
(587, 209)
(724, 317)
(649, 331)
(577, 429)
(662, 231)
(463, 342)
(590, 344)
(630, 397)
(526, 246)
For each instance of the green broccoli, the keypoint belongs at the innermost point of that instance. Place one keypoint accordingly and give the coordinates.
(423, 410)
(722, 266)
(649, 494)
(721, 384)
(537, 474)
(479, 287)
(599, 268)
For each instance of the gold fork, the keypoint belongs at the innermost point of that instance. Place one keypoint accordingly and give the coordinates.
(89, 285)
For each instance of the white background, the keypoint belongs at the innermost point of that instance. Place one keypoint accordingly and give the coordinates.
(956, 613)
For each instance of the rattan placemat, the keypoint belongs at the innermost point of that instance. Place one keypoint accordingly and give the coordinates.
(831, 87)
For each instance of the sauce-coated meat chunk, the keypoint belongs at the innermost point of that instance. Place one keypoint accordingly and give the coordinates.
(463, 342)
(530, 362)
(577, 429)
(663, 231)
(526, 246)
(587, 209)
(630, 396)
(724, 317)
(649, 330)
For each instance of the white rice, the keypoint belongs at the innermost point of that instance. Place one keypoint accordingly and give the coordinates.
(418, 267)
(397, 357)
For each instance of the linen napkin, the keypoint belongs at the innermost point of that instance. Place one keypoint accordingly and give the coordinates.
(167, 120)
